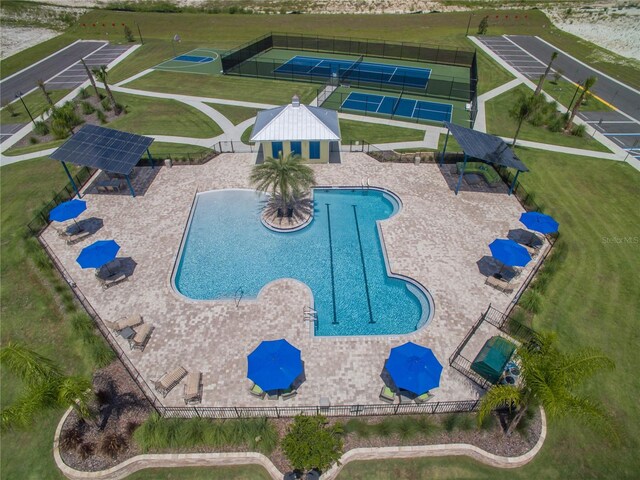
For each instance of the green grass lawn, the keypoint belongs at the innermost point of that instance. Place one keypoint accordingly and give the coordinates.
(491, 74)
(500, 123)
(377, 133)
(36, 147)
(163, 149)
(565, 92)
(249, 472)
(591, 301)
(235, 114)
(274, 92)
(156, 116)
(30, 314)
(36, 103)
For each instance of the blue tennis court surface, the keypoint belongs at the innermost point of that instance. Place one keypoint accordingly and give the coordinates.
(364, 71)
(193, 59)
(398, 107)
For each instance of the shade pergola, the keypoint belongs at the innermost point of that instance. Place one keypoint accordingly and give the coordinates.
(105, 149)
(484, 147)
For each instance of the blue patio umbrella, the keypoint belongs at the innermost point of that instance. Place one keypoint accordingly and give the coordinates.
(67, 210)
(98, 254)
(509, 252)
(274, 365)
(414, 368)
(539, 222)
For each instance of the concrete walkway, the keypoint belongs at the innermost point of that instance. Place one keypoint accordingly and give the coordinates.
(233, 133)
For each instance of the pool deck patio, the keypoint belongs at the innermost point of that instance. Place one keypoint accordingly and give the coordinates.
(437, 239)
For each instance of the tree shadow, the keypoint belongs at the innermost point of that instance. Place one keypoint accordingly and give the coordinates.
(525, 237)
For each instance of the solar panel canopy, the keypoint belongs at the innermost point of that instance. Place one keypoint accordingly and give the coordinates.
(485, 147)
(103, 148)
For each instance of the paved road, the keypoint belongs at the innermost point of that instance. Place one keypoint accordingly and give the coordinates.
(27, 79)
(624, 98)
(529, 56)
(7, 130)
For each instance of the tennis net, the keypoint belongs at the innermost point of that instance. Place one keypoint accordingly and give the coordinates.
(395, 105)
(351, 68)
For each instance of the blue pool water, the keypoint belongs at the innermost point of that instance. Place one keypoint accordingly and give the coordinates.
(338, 255)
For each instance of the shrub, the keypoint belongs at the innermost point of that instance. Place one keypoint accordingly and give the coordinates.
(310, 444)
(406, 428)
(86, 449)
(128, 34)
(579, 130)
(101, 116)
(101, 353)
(33, 140)
(82, 324)
(41, 128)
(556, 124)
(425, 426)
(459, 421)
(113, 444)
(488, 422)
(531, 301)
(71, 439)
(483, 26)
(538, 119)
(83, 93)
(106, 104)
(87, 108)
(384, 428)
(541, 281)
(359, 427)
(11, 109)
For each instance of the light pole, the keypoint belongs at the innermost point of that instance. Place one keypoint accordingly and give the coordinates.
(19, 95)
(139, 33)
(468, 25)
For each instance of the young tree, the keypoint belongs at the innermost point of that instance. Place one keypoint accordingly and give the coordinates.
(310, 444)
(128, 34)
(525, 106)
(44, 92)
(45, 387)
(550, 378)
(588, 84)
(554, 55)
(92, 80)
(101, 73)
(11, 109)
(483, 26)
(285, 177)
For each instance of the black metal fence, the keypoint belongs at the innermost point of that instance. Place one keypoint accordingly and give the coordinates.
(245, 62)
(333, 411)
(41, 218)
(504, 323)
(473, 76)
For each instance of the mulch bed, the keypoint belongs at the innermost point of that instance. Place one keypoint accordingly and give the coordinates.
(88, 120)
(123, 407)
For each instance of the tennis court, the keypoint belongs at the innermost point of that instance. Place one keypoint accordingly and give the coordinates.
(398, 107)
(193, 58)
(362, 71)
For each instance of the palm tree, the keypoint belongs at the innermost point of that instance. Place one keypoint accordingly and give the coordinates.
(91, 79)
(588, 84)
(44, 92)
(45, 387)
(554, 55)
(523, 109)
(285, 177)
(550, 378)
(101, 73)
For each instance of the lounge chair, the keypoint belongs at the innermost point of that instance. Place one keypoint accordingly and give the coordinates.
(140, 339)
(192, 391)
(76, 235)
(425, 397)
(131, 321)
(288, 394)
(169, 380)
(387, 395)
(113, 279)
(500, 284)
(257, 391)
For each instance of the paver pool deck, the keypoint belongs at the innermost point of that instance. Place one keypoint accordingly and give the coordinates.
(437, 239)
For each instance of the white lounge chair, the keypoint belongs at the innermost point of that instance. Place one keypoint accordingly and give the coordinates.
(140, 339)
(169, 380)
(192, 389)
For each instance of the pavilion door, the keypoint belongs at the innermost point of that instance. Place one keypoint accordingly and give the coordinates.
(276, 149)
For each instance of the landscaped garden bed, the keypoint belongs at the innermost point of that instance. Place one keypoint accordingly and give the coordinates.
(125, 427)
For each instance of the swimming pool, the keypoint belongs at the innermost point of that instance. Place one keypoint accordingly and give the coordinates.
(227, 251)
